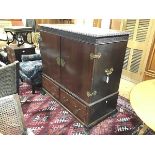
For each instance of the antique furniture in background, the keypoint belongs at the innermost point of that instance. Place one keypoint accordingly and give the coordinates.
(15, 52)
(82, 68)
(30, 70)
(19, 34)
(142, 99)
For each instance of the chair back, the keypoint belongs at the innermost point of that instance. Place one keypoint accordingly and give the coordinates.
(9, 79)
(11, 116)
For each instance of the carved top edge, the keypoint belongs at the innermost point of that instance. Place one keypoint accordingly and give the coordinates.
(18, 28)
(83, 30)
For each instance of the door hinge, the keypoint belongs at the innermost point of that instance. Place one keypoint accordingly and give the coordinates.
(95, 56)
(91, 94)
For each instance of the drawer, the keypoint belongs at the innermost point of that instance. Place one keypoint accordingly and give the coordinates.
(73, 105)
(102, 108)
(50, 87)
(21, 52)
(25, 51)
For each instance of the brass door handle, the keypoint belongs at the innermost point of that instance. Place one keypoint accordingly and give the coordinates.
(91, 94)
(95, 56)
(60, 61)
(109, 71)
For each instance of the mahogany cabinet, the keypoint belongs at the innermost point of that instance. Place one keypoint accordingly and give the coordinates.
(82, 69)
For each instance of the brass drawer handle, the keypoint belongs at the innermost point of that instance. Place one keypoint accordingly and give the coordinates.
(76, 111)
(91, 94)
(95, 56)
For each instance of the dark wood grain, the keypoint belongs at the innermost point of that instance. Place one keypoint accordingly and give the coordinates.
(74, 106)
(50, 87)
(50, 51)
(112, 56)
(76, 74)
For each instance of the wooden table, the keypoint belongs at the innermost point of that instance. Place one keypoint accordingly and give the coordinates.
(142, 99)
(19, 33)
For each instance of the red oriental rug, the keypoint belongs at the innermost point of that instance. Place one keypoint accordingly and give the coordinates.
(44, 116)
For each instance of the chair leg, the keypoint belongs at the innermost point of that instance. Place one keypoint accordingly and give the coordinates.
(21, 80)
(33, 89)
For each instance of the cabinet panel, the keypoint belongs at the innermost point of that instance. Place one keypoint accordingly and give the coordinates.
(73, 105)
(76, 67)
(50, 52)
(150, 68)
(107, 69)
(102, 108)
(50, 87)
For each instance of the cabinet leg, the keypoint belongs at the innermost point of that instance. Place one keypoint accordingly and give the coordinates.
(42, 92)
(33, 89)
(87, 129)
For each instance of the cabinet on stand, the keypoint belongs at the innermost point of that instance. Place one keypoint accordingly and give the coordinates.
(82, 68)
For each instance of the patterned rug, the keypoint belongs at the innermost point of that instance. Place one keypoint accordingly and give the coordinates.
(44, 116)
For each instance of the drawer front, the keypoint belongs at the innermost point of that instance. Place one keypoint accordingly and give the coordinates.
(50, 87)
(73, 105)
(21, 52)
(102, 108)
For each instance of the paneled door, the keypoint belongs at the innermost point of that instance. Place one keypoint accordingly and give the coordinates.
(150, 68)
(138, 47)
(50, 50)
(76, 67)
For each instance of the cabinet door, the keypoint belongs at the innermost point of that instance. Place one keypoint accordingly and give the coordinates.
(108, 69)
(76, 67)
(150, 68)
(50, 52)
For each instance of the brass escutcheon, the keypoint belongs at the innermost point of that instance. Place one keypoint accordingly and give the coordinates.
(91, 94)
(109, 71)
(60, 61)
(95, 56)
